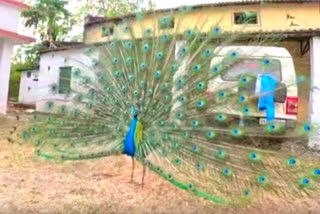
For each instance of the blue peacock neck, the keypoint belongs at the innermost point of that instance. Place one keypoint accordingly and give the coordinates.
(129, 143)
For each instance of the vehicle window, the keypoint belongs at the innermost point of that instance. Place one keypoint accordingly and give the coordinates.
(252, 67)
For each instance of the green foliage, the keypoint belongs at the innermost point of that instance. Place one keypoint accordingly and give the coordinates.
(50, 19)
(111, 8)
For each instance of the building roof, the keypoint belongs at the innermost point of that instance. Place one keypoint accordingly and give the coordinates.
(16, 3)
(17, 38)
(60, 46)
(92, 20)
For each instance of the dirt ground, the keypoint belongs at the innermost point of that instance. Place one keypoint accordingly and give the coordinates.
(31, 185)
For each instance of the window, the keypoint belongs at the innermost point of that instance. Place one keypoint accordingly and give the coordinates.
(29, 74)
(65, 80)
(166, 22)
(107, 31)
(252, 67)
(245, 18)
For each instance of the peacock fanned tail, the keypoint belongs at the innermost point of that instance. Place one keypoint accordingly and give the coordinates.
(189, 127)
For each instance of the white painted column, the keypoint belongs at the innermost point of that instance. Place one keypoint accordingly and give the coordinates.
(314, 102)
(5, 65)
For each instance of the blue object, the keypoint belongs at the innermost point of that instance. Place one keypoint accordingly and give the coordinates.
(129, 147)
(266, 98)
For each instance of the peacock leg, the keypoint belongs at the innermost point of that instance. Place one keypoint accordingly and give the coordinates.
(143, 174)
(132, 170)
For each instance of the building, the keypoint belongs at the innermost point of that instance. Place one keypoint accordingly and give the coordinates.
(35, 83)
(9, 25)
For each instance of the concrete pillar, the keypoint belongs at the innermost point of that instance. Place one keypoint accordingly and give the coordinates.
(5, 65)
(314, 113)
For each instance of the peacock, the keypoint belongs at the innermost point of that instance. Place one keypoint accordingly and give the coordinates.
(151, 92)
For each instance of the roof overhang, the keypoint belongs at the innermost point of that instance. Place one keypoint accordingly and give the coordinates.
(16, 3)
(15, 37)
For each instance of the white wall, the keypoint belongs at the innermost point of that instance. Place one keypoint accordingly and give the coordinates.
(28, 93)
(9, 17)
(49, 73)
(5, 57)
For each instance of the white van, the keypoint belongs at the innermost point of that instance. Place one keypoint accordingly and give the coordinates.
(286, 95)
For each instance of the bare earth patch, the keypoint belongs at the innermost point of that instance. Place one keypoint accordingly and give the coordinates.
(32, 185)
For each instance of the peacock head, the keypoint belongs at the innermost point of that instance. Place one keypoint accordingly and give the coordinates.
(134, 112)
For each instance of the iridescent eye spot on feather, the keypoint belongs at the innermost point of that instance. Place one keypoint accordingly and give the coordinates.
(211, 134)
(141, 84)
(272, 126)
(245, 110)
(195, 123)
(262, 179)
(129, 60)
(135, 93)
(307, 127)
(130, 77)
(148, 31)
(129, 44)
(226, 172)
(242, 98)
(165, 37)
(180, 82)
(305, 182)
(266, 61)
(233, 54)
(124, 89)
(201, 85)
(149, 92)
(183, 50)
(216, 29)
(195, 148)
(183, 99)
(316, 172)
(173, 68)
(200, 103)
(196, 67)
(199, 165)
(221, 94)
(180, 115)
(189, 34)
(185, 134)
(246, 192)
(143, 66)
(220, 117)
(190, 187)
(160, 56)
(207, 52)
(157, 74)
(215, 69)
(235, 131)
(111, 44)
(253, 156)
(243, 79)
(115, 60)
(292, 161)
(177, 161)
(164, 86)
(117, 74)
(25, 135)
(145, 47)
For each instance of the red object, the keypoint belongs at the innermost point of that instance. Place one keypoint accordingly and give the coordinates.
(16, 3)
(292, 105)
(16, 36)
